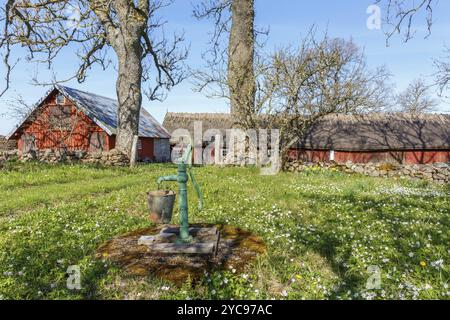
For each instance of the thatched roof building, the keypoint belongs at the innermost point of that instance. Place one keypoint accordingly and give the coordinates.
(220, 121)
(385, 134)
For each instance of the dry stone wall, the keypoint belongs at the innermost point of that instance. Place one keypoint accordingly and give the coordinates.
(437, 172)
(110, 158)
(7, 145)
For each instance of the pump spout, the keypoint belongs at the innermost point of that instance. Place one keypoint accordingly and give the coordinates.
(166, 178)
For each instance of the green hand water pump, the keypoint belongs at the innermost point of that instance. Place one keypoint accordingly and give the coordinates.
(184, 173)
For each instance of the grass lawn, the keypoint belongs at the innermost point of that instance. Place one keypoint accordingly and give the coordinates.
(323, 230)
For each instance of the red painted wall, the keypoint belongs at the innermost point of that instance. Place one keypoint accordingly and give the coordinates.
(309, 155)
(427, 157)
(76, 136)
(404, 157)
(146, 151)
(365, 157)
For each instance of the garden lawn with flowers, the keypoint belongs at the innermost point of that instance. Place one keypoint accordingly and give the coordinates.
(329, 235)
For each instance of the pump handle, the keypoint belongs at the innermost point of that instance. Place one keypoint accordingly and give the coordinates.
(187, 160)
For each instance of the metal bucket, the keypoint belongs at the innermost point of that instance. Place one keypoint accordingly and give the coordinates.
(161, 204)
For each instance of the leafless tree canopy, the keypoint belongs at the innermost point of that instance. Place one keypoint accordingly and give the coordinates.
(416, 98)
(401, 15)
(297, 86)
(46, 27)
(132, 28)
(219, 12)
(212, 78)
(443, 71)
(400, 18)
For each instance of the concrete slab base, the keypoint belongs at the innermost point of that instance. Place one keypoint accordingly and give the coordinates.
(205, 241)
(184, 248)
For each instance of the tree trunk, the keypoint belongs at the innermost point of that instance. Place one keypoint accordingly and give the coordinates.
(241, 50)
(134, 152)
(129, 93)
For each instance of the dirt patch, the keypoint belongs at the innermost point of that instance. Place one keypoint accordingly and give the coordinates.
(237, 248)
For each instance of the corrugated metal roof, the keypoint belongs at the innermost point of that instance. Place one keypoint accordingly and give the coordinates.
(103, 111)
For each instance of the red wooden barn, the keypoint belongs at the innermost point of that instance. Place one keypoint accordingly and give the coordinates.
(388, 137)
(81, 121)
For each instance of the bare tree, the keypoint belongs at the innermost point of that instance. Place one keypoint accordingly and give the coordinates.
(229, 72)
(401, 14)
(400, 17)
(296, 87)
(131, 28)
(443, 72)
(416, 98)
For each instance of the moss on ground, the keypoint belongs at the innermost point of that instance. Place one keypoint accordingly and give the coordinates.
(237, 248)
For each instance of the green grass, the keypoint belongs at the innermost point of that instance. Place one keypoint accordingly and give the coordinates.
(323, 229)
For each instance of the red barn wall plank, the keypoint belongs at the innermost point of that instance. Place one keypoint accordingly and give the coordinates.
(147, 149)
(403, 157)
(418, 157)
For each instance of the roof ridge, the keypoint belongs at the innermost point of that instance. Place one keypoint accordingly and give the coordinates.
(399, 116)
(86, 92)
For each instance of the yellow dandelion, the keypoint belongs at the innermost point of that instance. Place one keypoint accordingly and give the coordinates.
(299, 277)
(423, 263)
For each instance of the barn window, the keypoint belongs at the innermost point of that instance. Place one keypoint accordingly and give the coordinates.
(139, 145)
(60, 99)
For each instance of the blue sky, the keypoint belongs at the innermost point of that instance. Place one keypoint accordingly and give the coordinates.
(288, 21)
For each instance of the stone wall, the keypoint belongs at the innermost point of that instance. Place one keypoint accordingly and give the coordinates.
(438, 172)
(111, 158)
(7, 155)
(7, 145)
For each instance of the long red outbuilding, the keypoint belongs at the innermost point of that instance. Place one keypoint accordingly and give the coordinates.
(383, 137)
